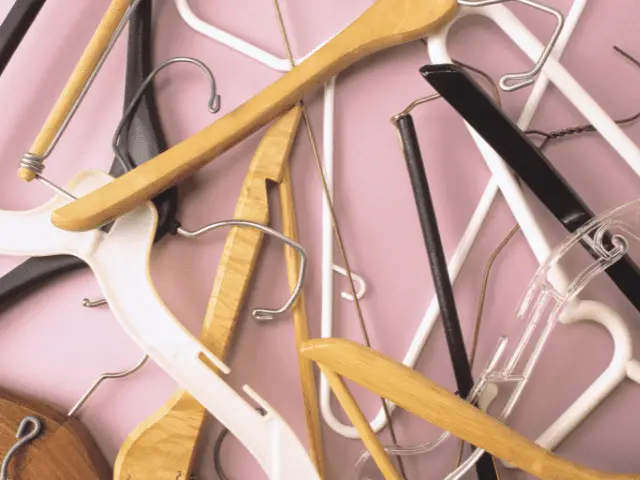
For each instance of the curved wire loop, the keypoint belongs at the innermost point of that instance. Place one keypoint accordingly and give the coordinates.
(516, 81)
(106, 376)
(261, 314)
(28, 430)
(213, 105)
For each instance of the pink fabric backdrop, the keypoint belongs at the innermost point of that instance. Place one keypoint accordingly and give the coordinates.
(52, 347)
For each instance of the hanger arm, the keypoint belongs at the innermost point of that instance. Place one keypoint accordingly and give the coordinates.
(182, 417)
(15, 26)
(385, 24)
(424, 398)
(525, 159)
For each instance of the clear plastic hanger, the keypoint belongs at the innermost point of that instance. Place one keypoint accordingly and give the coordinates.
(623, 364)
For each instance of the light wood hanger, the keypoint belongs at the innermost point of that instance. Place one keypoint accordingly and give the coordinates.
(385, 24)
(63, 451)
(164, 444)
(424, 398)
(79, 78)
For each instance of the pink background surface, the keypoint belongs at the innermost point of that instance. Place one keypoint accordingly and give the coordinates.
(52, 347)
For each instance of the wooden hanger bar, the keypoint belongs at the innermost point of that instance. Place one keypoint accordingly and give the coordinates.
(147, 453)
(63, 451)
(385, 24)
(77, 81)
(301, 325)
(413, 392)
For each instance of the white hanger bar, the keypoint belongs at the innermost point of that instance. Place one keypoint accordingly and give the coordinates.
(120, 261)
(459, 257)
(622, 361)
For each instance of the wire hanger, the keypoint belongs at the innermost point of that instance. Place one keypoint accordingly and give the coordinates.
(386, 23)
(147, 142)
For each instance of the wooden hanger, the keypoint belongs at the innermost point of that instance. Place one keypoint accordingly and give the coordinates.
(385, 24)
(164, 444)
(64, 450)
(424, 398)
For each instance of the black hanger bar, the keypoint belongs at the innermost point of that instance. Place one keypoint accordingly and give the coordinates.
(439, 271)
(525, 159)
(144, 140)
(15, 26)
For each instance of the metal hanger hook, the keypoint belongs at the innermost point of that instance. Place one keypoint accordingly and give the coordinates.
(261, 314)
(96, 384)
(28, 430)
(516, 81)
(213, 105)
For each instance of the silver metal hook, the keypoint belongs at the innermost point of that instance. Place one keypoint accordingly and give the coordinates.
(28, 430)
(35, 163)
(213, 105)
(516, 81)
(261, 314)
(96, 384)
(361, 284)
(93, 303)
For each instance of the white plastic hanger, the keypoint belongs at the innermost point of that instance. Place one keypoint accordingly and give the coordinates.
(623, 365)
(120, 261)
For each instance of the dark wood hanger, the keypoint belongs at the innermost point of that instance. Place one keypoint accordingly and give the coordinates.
(64, 450)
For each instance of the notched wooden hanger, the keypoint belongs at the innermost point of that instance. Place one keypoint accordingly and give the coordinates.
(422, 397)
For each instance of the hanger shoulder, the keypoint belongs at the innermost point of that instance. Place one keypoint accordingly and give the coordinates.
(63, 451)
(182, 417)
(385, 24)
(422, 397)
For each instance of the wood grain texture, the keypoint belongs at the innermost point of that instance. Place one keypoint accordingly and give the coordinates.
(63, 451)
(77, 81)
(385, 24)
(163, 446)
(416, 394)
(301, 326)
(357, 418)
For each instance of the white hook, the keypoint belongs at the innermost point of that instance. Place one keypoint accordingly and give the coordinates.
(357, 279)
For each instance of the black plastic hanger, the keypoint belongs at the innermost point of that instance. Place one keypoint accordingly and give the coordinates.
(15, 26)
(144, 140)
(525, 159)
(439, 271)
